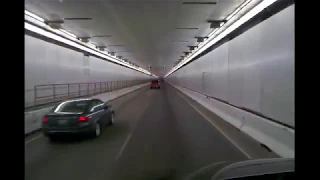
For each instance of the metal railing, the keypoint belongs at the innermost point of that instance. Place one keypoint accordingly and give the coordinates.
(51, 93)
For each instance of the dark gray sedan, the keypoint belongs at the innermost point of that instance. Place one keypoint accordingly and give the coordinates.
(78, 116)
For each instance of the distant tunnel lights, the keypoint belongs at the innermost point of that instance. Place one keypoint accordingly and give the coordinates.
(214, 39)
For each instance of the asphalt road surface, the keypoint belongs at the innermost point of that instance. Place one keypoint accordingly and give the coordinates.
(158, 134)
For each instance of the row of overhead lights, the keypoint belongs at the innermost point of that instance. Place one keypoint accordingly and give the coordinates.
(218, 33)
(70, 39)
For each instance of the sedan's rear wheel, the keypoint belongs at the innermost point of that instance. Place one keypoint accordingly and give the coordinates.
(97, 130)
(52, 138)
(112, 119)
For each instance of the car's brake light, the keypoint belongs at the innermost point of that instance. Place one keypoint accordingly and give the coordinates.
(84, 118)
(45, 119)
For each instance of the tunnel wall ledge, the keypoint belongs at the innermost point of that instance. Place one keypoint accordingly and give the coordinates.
(278, 138)
(32, 119)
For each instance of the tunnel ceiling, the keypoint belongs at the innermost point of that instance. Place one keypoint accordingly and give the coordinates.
(146, 32)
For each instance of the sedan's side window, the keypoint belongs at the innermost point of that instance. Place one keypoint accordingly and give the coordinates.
(93, 106)
(99, 102)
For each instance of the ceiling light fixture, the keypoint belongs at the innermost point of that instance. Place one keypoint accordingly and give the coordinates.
(69, 33)
(238, 9)
(33, 15)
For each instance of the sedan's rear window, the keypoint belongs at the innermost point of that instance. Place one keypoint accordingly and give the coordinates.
(72, 106)
(155, 81)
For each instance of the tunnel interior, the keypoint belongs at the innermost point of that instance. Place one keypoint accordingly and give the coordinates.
(224, 72)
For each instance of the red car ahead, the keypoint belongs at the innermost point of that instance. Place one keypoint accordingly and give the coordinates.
(155, 84)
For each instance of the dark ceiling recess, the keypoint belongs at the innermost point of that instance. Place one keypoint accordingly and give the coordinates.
(102, 36)
(101, 48)
(186, 53)
(115, 45)
(177, 62)
(54, 21)
(123, 51)
(181, 28)
(119, 57)
(55, 24)
(77, 19)
(84, 39)
(112, 53)
(192, 47)
(200, 3)
(215, 23)
(180, 41)
(200, 39)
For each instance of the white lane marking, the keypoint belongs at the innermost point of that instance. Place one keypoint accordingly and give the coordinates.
(123, 146)
(133, 129)
(37, 137)
(216, 127)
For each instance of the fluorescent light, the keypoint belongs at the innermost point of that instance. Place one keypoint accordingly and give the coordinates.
(71, 43)
(33, 15)
(231, 28)
(212, 33)
(91, 45)
(237, 10)
(69, 33)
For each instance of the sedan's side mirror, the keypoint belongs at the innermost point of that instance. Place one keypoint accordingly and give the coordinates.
(107, 106)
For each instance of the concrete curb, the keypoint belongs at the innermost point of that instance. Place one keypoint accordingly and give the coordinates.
(277, 138)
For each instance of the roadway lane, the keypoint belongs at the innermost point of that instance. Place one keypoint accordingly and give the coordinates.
(172, 140)
(157, 135)
(84, 158)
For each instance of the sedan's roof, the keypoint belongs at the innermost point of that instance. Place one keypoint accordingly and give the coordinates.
(75, 100)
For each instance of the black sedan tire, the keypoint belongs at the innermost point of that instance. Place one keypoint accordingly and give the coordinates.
(52, 138)
(97, 130)
(112, 119)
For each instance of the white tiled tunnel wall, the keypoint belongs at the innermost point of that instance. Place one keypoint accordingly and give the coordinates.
(47, 63)
(255, 70)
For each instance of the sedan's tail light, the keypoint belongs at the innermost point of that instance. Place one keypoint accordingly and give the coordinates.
(84, 118)
(45, 119)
